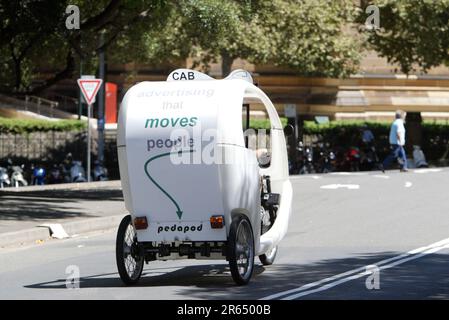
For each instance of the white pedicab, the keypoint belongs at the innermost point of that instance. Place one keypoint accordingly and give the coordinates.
(192, 186)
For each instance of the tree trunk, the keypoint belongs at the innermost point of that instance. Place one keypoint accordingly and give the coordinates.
(17, 75)
(413, 125)
(66, 73)
(226, 64)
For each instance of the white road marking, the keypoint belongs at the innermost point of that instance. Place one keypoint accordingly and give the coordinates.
(339, 186)
(427, 170)
(358, 272)
(349, 173)
(302, 176)
(381, 176)
(408, 184)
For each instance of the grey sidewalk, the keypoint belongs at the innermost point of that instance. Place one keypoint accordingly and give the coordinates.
(79, 208)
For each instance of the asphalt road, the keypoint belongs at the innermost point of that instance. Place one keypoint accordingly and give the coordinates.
(398, 223)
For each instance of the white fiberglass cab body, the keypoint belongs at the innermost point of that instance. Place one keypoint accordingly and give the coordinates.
(192, 184)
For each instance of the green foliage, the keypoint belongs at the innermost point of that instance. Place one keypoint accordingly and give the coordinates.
(22, 126)
(311, 36)
(264, 123)
(311, 127)
(348, 133)
(33, 37)
(306, 35)
(413, 33)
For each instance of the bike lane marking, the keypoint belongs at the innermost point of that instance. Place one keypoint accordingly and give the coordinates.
(360, 272)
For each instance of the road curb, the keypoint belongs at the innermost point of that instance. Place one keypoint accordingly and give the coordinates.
(95, 185)
(72, 228)
(24, 236)
(92, 224)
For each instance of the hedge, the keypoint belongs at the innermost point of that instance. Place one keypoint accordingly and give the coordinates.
(21, 126)
(27, 126)
(264, 123)
(348, 133)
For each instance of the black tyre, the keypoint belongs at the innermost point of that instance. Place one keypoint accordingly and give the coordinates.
(129, 261)
(241, 249)
(268, 258)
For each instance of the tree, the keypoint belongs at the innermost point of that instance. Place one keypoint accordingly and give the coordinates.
(33, 35)
(413, 34)
(306, 36)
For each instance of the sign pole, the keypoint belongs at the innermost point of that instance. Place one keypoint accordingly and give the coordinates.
(89, 108)
(89, 87)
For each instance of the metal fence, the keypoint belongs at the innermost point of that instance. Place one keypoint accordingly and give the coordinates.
(52, 147)
(42, 146)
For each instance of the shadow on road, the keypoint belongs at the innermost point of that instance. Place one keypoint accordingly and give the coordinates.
(424, 278)
(51, 204)
(67, 195)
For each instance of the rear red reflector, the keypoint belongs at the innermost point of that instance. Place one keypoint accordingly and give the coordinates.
(140, 223)
(217, 222)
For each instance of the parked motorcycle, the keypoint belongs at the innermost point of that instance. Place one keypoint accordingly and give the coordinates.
(369, 159)
(308, 166)
(353, 158)
(17, 178)
(38, 177)
(4, 178)
(77, 172)
(100, 172)
(55, 175)
(325, 158)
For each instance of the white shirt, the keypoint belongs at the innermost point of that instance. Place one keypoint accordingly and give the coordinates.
(397, 129)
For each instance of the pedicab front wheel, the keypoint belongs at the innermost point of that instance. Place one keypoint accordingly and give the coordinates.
(128, 258)
(241, 249)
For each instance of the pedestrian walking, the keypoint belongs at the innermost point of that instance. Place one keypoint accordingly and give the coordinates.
(397, 142)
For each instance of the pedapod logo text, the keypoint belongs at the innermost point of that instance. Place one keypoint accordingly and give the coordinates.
(180, 228)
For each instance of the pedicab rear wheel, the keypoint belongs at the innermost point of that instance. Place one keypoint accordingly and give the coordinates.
(128, 258)
(241, 249)
(268, 257)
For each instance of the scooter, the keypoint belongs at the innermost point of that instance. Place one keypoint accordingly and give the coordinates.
(326, 158)
(55, 175)
(100, 172)
(4, 178)
(369, 159)
(39, 174)
(353, 158)
(307, 165)
(77, 172)
(17, 178)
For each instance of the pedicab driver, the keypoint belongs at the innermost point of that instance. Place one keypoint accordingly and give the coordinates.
(397, 142)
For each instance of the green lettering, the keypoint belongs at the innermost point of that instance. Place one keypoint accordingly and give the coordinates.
(184, 122)
(165, 122)
(193, 121)
(152, 123)
(174, 121)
